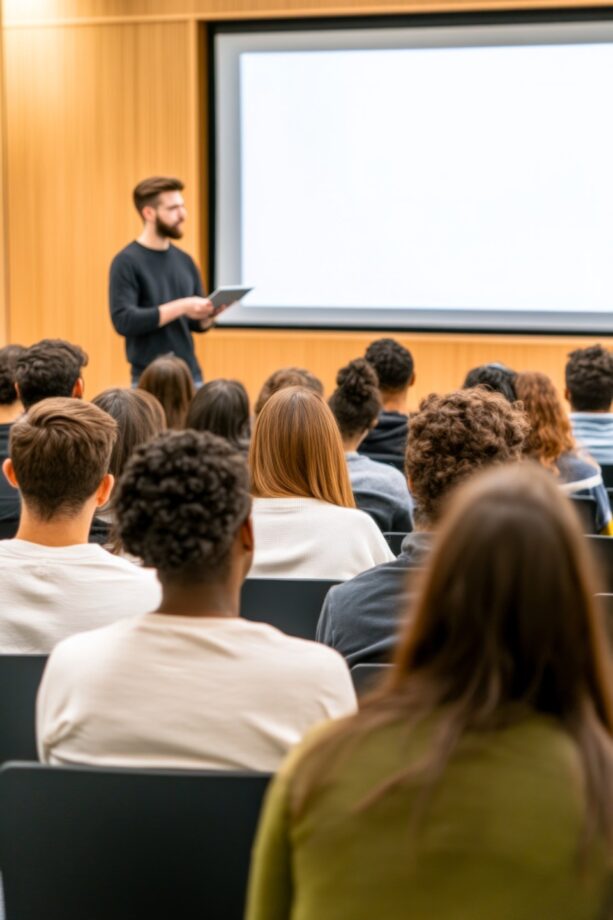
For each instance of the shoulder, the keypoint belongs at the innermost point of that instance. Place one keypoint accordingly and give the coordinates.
(182, 257)
(129, 255)
(576, 468)
(81, 649)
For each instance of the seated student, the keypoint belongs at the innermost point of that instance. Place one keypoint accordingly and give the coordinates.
(222, 407)
(53, 583)
(497, 378)
(51, 367)
(378, 488)
(10, 410)
(169, 379)
(304, 515)
(552, 444)
(192, 685)
(451, 437)
(393, 365)
(476, 783)
(589, 390)
(287, 377)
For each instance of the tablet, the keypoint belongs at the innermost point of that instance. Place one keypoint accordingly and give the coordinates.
(227, 295)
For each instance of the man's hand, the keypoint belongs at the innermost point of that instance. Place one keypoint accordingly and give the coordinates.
(199, 308)
(207, 323)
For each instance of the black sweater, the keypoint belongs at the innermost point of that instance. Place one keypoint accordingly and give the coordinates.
(141, 280)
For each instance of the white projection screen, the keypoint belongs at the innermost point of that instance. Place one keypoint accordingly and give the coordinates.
(435, 174)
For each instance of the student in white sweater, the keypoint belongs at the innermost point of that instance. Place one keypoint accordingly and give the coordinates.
(53, 583)
(304, 515)
(191, 685)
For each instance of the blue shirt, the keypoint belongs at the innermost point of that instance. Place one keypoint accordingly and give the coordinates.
(594, 432)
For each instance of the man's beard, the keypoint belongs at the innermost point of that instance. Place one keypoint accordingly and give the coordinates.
(166, 230)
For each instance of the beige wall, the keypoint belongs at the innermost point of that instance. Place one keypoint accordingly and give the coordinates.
(100, 93)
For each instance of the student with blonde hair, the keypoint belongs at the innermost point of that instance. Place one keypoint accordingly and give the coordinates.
(305, 519)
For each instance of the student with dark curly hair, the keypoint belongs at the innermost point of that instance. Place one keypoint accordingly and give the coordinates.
(51, 367)
(395, 370)
(10, 410)
(589, 390)
(287, 377)
(451, 438)
(497, 378)
(222, 407)
(192, 685)
(378, 488)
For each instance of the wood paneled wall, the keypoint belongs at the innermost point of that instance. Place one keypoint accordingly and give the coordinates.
(100, 93)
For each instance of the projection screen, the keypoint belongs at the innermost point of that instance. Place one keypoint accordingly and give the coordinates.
(422, 176)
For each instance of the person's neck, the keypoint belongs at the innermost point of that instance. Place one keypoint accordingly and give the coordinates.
(350, 445)
(201, 599)
(151, 239)
(8, 414)
(394, 402)
(72, 531)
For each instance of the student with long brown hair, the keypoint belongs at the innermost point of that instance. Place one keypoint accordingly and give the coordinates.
(305, 519)
(169, 379)
(478, 782)
(552, 444)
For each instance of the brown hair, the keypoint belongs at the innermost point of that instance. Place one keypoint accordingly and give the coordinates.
(504, 623)
(147, 191)
(356, 402)
(589, 379)
(453, 436)
(139, 416)
(296, 449)
(169, 379)
(47, 369)
(550, 433)
(61, 451)
(287, 377)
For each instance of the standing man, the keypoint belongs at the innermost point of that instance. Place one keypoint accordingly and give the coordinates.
(156, 294)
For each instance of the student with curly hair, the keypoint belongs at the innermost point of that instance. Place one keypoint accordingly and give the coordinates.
(552, 444)
(51, 367)
(287, 377)
(589, 390)
(451, 438)
(304, 514)
(378, 488)
(477, 782)
(395, 370)
(191, 685)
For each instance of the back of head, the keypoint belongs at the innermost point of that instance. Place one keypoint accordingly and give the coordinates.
(453, 436)
(550, 433)
(49, 368)
(8, 368)
(139, 418)
(356, 402)
(287, 377)
(221, 407)
(180, 503)
(393, 364)
(494, 377)
(296, 450)
(589, 379)
(169, 379)
(60, 450)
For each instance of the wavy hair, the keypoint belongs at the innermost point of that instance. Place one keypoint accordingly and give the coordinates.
(550, 433)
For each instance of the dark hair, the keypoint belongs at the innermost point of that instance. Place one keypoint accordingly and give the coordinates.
(222, 407)
(494, 377)
(139, 418)
(169, 379)
(589, 379)
(49, 368)
(8, 364)
(60, 450)
(147, 191)
(453, 436)
(287, 377)
(393, 364)
(504, 624)
(356, 402)
(550, 433)
(180, 502)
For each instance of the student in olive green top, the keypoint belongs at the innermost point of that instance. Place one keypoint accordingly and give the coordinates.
(477, 784)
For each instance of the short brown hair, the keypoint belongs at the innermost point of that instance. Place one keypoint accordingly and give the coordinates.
(47, 369)
(60, 451)
(453, 436)
(589, 379)
(287, 377)
(169, 379)
(146, 192)
(296, 449)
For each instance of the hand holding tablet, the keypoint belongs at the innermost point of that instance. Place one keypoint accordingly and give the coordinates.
(224, 297)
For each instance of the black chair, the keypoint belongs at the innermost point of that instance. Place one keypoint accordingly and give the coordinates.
(292, 605)
(365, 677)
(394, 541)
(602, 547)
(8, 529)
(20, 677)
(587, 510)
(81, 843)
(607, 474)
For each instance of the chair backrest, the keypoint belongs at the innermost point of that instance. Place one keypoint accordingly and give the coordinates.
(607, 474)
(365, 677)
(8, 529)
(81, 843)
(602, 547)
(292, 605)
(394, 541)
(587, 509)
(20, 677)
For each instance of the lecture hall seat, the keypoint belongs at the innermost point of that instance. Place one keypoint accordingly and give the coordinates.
(292, 605)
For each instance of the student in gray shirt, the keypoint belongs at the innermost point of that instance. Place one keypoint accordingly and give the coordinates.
(379, 489)
(589, 390)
